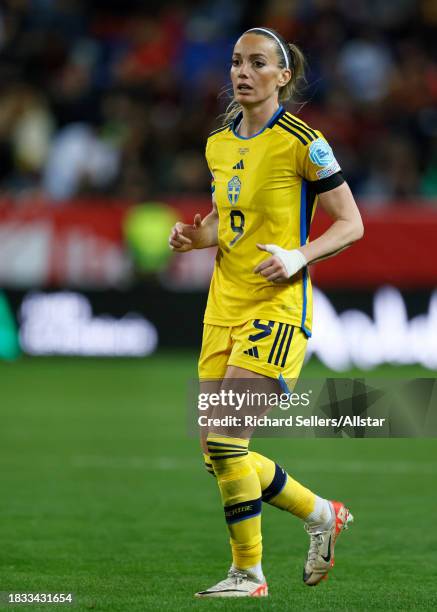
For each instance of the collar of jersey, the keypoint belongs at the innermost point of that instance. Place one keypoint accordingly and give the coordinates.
(268, 124)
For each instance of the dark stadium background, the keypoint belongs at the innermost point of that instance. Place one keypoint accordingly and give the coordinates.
(105, 108)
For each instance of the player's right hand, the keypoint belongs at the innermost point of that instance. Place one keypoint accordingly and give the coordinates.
(184, 237)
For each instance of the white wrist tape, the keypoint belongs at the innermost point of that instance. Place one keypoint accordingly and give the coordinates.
(293, 260)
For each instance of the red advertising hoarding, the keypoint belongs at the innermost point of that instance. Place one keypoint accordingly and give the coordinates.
(81, 245)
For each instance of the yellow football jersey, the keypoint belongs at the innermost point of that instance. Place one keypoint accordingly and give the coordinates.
(265, 188)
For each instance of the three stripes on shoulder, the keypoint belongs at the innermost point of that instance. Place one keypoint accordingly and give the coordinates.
(299, 129)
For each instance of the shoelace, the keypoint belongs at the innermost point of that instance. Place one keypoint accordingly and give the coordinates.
(316, 540)
(236, 576)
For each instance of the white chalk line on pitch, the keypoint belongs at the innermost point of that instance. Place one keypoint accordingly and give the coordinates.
(175, 464)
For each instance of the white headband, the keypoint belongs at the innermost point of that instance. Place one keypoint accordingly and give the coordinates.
(287, 65)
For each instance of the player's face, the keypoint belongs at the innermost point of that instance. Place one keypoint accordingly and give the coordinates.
(255, 73)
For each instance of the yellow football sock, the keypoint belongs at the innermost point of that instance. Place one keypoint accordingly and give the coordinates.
(208, 464)
(278, 488)
(241, 495)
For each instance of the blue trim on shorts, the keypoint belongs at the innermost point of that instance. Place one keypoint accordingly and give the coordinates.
(283, 384)
(303, 239)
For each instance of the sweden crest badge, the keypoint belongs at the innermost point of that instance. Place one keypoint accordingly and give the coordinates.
(234, 188)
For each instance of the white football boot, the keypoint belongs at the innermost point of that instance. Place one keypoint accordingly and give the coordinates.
(321, 552)
(239, 583)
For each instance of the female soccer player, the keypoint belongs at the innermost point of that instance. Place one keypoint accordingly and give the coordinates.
(268, 170)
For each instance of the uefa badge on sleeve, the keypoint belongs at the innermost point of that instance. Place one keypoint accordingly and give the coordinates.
(234, 188)
(321, 153)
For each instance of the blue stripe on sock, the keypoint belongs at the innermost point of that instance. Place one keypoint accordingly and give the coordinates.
(277, 484)
(211, 443)
(243, 518)
(243, 510)
(228, 456)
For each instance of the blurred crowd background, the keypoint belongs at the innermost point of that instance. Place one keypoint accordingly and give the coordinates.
(117, 98)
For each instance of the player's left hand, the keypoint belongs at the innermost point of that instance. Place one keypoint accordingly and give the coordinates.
(283, 264)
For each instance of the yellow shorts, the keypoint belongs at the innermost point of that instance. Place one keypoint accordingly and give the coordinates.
(270, 348)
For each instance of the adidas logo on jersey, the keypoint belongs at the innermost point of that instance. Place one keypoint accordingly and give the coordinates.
(252, 352)
(239, 166)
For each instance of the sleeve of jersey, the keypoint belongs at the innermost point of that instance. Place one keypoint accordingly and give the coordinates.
(316, 163)
(208, 161)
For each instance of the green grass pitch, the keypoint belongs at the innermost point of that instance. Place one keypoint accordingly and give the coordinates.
(104, 495)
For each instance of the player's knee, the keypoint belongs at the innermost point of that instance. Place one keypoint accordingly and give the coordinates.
(229, 456)
(208, 464)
